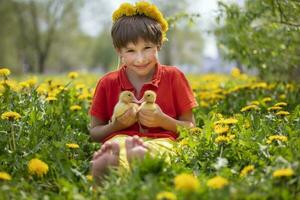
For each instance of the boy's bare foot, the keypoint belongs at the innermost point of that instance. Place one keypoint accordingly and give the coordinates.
(135, 148)
(104, 158)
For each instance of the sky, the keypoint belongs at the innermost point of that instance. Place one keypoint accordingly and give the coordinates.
(96, 12)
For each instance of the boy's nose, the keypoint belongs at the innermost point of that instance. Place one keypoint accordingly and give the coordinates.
(139, 58)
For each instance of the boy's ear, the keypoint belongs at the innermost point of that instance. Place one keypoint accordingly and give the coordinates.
(158, 47)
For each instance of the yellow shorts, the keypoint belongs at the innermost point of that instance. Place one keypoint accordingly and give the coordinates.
(157, 146)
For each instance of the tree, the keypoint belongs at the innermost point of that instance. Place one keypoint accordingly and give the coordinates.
(180, 23)
(263, 35)
(38, 23)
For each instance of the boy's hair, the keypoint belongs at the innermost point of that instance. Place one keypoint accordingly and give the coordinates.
(132, 28)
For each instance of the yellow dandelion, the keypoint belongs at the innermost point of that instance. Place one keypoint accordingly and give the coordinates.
(250, 107)
(4, 72)
(246, 170)
(282, 113)
(281, 104)
(235, 72)
(285, 172)
(195, 130)
(224, 139)
(282, 96)
(186, 182)
(5, 176)
(10, 116)
(75, 108)
(80, 86)
(89, 177)
(32, 82)
(254, 103)
(266, 99)
(217, 182)
(166, 196)
(73, 75)
(72, 145)
(220, 129)
(51, 99)
(37, 167)
(277, 138)
(227, 121)
(274, 108)
(262, 85)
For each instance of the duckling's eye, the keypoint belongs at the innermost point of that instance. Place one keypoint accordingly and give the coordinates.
(148, 95)
(129, 95)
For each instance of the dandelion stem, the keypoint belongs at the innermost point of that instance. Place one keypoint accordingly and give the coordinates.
(221, 152)
(13, 138)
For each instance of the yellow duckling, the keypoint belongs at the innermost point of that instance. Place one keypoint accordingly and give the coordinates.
(148, 100)
(126, 101)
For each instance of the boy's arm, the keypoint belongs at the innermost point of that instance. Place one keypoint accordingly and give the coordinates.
(186, 120)
(159, 119)
(101, 129)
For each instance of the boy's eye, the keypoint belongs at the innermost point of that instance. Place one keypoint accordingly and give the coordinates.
(147, 47)
(130, 50)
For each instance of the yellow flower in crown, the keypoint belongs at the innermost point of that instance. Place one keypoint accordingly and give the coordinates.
(142, 8)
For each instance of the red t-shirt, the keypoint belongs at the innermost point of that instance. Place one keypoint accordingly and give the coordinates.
(174, 97)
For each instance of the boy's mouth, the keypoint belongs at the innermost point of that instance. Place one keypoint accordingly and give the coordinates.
(141, 66)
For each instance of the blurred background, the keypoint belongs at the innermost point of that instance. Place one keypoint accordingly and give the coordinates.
(54, 36)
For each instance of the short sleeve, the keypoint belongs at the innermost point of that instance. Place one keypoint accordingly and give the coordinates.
(183, 94)
(99, 106)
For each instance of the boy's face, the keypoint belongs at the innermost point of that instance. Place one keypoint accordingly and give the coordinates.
(140, 58)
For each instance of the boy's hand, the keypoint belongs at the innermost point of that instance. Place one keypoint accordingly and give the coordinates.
(127, 119)
(151, 118)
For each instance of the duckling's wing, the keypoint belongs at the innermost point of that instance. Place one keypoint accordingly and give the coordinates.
(120, 109)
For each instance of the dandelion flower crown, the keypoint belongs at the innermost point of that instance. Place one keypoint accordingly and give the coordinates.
(142, 8)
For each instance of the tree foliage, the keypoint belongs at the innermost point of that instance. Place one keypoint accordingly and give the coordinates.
(264, 34)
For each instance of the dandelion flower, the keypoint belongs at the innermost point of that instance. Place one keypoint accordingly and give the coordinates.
(186, 182)
(75, 108)
(266, 99)
(37, 167)
(10, 116)
(250, 107)
(282, 113)
(73, 75)
(166, 196)
(246, 170)
(4, 72)
(274, 108)
(217, 182)
(5, 176)
(235, 72)
(72, 145)
(281, 104)
(283, 172)
(277, 138)
(51, 99)
(220, 129)
(195, 130)
(89, 177)
(254, 103)
(224, 139)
